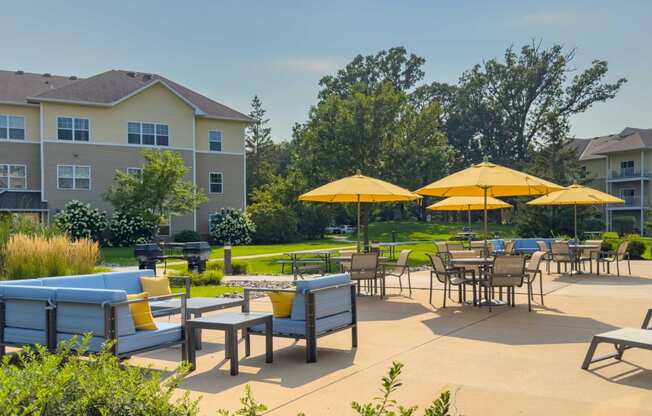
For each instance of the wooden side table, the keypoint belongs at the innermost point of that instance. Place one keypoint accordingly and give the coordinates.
(230, 323)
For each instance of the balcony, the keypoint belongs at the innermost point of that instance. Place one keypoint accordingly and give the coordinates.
(628, 174)
(631, 202)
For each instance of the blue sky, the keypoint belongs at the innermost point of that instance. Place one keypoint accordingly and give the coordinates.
(231, 50)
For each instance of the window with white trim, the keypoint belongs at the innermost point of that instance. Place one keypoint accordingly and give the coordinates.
(71, 128)
(215, 141)
(13, 176)
(12, 127)
(215, 182)
(148, 134)
(74, 177)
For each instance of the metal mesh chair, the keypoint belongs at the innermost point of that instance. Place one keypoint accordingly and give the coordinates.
(548, 254)
(560, 253)
(509, 247)
(589, 254)
(617, 256)
(454, 246)
(450, 276)
(442, 250)
(507, 272)
(533, 269)
(399, 269)
(364, 268)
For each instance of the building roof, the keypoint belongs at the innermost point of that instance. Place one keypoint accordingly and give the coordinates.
(628, 139)
(106, 89)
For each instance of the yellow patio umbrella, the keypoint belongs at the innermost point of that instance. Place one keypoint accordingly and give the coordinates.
(576, 195)
(359, 189)
(468, 203)
(488, 179)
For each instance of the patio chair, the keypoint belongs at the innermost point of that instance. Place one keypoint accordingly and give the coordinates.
(442, 250)
(509, 247)
(589, 254)
(615, 257)
(398, 270)
(622, 339)
(560, 253)
(507, 272)
(364, 268)
(454, 247)
(532, 268)
(548, 256)
(451, 276)
(346, 264)
(478, 245)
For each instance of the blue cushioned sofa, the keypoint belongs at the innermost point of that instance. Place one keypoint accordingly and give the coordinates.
(49, 310)
(321, 306)
(521, 245)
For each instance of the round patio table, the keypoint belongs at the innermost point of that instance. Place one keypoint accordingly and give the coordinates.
(575, 250)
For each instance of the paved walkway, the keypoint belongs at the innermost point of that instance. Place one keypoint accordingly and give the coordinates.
(508, 362)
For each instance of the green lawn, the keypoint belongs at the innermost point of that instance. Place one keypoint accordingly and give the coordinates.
(208, 291)
(414, 231)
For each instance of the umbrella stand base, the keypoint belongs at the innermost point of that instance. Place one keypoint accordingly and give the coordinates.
(493, 302)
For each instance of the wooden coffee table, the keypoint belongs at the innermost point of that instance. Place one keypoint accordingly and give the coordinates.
(230, 323)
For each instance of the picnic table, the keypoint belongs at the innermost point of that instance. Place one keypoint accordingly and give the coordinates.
(392, 246)
(300, 265)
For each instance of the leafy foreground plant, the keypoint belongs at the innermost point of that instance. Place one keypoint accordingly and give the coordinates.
(379, 406)
(65, 383)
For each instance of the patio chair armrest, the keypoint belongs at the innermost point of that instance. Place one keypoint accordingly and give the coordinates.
(185, 280)
(646, 321)
(325, 288)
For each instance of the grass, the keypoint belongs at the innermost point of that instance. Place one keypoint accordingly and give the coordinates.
(414, 231)
(208, 291)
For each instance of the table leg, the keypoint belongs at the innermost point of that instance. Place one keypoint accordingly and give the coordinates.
(198, 333)
(233, 351)
(227, 343)
(269, 347)
(190, 349)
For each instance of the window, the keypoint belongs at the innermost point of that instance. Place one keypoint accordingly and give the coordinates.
(148, 134)
(215, 141)
(13, 177)
(74, 177)
(215, 182)
(69, 128)
(627, 168)
(12, 127)
(135, 171)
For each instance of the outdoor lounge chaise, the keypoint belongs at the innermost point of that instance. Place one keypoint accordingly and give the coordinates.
(622, 339)
(321, 306)
(49, 310)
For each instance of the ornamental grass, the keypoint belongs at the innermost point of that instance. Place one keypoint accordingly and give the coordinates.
(27, 257)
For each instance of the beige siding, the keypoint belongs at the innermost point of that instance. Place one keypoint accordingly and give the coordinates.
(232, 168)
(104, 161)
(108, 125)
(27, 154)
(616, 158)
(232, 134)
(32, 119)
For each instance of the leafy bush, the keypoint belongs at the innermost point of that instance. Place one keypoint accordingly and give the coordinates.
(609, 235)
(636, 249)
(33, 256)
(65, 383)
(232, 226)
(274, 222)
(238, 268)
(79, 220)
(128, 228)
(187, 236)
(209, 277)
(624, 225)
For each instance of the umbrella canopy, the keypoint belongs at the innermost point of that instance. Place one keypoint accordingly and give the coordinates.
(488, 177)
(468, 203)
(359, 189)
(576, 195)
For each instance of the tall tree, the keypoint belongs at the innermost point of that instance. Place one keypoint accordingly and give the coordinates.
(505, 109)
(258, 142)
(158, 192)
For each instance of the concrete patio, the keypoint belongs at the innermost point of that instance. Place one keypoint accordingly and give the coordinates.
(506, 362)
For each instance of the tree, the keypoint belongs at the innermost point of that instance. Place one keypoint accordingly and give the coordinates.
(505, 109)
(160, 191)
(258, 143)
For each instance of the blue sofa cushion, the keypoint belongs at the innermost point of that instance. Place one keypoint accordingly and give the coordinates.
(22, 336)
(328, 302)
(286, 326)
(166, 332)
(127, 281)
(25, 306)
(90, 281)
(529, 245)
(23, 282)
(81, 310)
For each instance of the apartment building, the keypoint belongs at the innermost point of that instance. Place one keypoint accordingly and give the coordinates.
(63, 138)
(621, 164)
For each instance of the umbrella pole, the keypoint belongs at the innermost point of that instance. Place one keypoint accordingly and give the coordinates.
(575, 209)
(358, 228)
(469, 214)
(486, 247)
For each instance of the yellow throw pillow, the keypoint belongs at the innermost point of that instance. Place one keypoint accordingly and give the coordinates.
(281, 303)
(155, 286)
(141, 313)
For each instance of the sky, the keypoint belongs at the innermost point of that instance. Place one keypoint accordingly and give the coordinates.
(232, 50)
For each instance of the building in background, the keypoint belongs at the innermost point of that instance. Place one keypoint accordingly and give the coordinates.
(63, 138)
(621, 164)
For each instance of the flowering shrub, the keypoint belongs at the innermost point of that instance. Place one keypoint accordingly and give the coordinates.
(274, 222)
(127, 229)
(79, 220)
(185, 236)
(232, 226)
